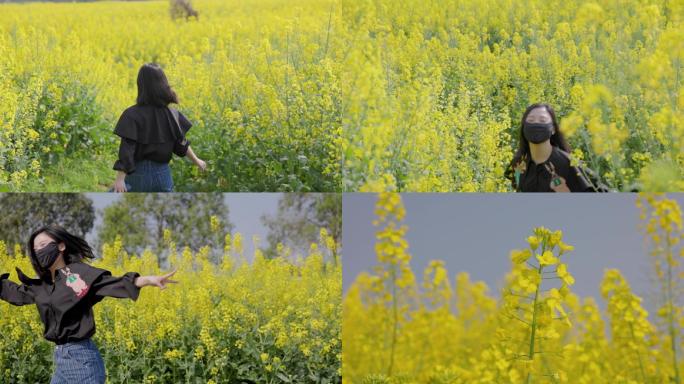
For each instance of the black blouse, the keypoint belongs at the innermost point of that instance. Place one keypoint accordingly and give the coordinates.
(66, 306)
(149, 133)
(537, 177)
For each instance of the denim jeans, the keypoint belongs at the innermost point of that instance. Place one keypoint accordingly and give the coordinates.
(150, 176)
(78, 362)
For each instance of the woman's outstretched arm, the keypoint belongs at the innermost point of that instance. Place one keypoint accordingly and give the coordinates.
(156, 281)
(201, 164)
(127, 286)
(13, 293)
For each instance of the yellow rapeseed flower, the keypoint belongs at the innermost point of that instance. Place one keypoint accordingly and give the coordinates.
(547, 258)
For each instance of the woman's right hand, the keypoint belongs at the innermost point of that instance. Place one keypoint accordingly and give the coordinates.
(157, 281)
(561, 187)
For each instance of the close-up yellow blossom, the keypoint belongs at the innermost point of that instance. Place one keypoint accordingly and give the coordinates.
(520, 256)
(533, 328)
(533, 241)
(547, 258)
(562, 272)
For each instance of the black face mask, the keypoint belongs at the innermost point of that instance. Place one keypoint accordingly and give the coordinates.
(537, 132)
(47, 255)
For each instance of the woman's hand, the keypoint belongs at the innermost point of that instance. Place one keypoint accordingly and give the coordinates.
(201, 164)
(157, 281)
(562, 187)
(120, 182)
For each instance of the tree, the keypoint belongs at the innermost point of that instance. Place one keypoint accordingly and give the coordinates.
(23, 213)
(299, 219)
(141, 218)
(183, 8)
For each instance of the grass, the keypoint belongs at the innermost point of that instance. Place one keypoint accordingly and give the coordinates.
(75, 174)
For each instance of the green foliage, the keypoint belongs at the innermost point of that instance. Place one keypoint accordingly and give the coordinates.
(140, 219)
(299, 219)
(24, 213)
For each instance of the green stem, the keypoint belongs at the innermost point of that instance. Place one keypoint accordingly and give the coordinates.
(394, 325)
(534, 319)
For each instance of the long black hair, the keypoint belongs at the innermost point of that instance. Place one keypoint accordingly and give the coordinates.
(153, 87)
(77, 249)
(523, 152)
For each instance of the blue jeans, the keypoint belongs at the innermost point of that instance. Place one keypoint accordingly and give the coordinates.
(78, 362)
(150, 176)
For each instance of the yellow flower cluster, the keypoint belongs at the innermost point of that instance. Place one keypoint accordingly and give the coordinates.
(445, 330)
(268, 321)
(436, 90)
(632, 334)
(663, 225)
(533, 316)
(259, 81)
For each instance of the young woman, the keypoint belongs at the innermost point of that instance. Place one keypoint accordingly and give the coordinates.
(65, 292)
(542, 161)
(150, 134)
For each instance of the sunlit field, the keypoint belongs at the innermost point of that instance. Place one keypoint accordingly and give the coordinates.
(259, 81)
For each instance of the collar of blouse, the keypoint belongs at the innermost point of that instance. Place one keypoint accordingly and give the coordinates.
(59, 273)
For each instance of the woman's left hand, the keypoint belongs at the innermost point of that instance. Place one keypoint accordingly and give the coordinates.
(201, 164)
(562, 187)
(157, 281)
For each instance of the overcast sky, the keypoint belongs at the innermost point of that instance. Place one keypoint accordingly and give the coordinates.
(476, 232)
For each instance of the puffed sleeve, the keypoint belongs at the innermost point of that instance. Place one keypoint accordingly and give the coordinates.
(126, 126)
(126, 161)
(184, 122)
(122, 287)
(181, 146)
(13, 293)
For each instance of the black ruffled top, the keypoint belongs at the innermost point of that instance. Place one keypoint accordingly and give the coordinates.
(149, 133)
(537, 177)
(66, 305)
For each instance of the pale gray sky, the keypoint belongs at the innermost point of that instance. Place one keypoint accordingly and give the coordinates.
(476, 232)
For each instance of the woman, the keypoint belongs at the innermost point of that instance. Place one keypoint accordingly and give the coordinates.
(65, 292)
(542, 161)
(150, 134)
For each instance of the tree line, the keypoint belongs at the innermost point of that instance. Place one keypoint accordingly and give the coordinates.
(141, 219)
